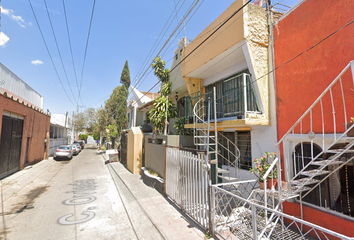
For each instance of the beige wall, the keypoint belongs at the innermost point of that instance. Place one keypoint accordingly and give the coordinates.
(256, 35)
(135, 150)
(229, 35)
(155, 153)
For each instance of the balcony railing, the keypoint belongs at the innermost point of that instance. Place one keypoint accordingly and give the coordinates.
(235, 97)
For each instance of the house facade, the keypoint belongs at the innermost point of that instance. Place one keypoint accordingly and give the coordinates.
(138, 109)
(24, 126)
(62, 131)
(234, 61)
(179, 92)
(313, 56)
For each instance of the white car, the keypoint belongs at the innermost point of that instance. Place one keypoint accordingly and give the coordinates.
(76, 149)
(78, 146)
(64, 151)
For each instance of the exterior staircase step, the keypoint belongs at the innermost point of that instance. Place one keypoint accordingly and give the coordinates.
(211, 137)
(340, 151)
(286, 194)
(220, 170)
(326, 162)
(315, 172)
(304, 181)
(203, 144)
(230, 179)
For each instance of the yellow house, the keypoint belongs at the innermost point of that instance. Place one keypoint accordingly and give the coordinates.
(232, 54)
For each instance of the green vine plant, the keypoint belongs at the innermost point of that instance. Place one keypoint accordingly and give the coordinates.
(179, 126)
(157, 114)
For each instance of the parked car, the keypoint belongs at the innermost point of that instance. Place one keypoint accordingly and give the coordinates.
(64, 151)
(78, 146)
(81, 142)
(76, 149)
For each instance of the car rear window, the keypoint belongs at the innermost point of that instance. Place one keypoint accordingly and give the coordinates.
(63, 147)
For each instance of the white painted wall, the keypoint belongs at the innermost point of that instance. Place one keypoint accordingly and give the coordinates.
(12, 83)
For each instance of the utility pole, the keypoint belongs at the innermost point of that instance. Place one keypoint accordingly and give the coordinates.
(65, 131)
(73, 128)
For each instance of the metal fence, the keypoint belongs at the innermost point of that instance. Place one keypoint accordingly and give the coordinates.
(187, 184)
(238, 213)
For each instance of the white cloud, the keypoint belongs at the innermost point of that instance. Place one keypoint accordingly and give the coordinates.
(3, 39)
(18, 19)
(36, 62)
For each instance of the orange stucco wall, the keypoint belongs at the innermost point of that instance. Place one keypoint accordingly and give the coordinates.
(35, 127)
(301, 81)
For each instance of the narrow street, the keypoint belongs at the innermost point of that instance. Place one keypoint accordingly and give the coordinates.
(78, 199)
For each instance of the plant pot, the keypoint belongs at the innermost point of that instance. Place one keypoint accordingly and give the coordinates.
(261, 185)
(351, 132)
(271, 183)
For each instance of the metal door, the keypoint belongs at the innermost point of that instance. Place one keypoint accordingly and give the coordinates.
(10, 147)
(124, 148)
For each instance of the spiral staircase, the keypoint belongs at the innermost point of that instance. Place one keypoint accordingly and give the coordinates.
(225, 157)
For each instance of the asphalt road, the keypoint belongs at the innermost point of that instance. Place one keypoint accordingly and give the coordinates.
(76, 199)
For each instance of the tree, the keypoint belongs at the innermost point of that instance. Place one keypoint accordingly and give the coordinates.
(125, 76)
(86, 120)
(91, 116)
(122, 119)
(80, 121)
(158, 114)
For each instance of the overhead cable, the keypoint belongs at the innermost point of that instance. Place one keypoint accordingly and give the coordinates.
(87, 41)
(50, 56)
(57, 45)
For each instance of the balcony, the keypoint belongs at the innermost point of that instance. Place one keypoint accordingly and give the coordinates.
(235, 98)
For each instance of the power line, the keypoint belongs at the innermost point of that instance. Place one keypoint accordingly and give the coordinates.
(50, 56)
(57, 45)
(185, 16)
(182, 28)
(149, 55)
(87, 41)
(71, 50)
(292, 59)
(232, 15)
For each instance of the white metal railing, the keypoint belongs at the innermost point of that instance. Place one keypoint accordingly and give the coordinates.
(187, 184)
(236, 217)
(212, 143)
(323, 125)
(328, 90)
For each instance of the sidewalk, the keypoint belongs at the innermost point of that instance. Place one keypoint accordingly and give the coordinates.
(169, 221)
(19, 183)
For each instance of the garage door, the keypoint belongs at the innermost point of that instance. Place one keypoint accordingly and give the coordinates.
(10, 146)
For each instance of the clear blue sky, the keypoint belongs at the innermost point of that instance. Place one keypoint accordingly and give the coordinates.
(121, 30)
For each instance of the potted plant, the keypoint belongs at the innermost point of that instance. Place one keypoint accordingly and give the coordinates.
(261, 166)
(350, 133)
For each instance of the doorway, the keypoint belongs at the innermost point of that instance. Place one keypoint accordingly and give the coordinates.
(10, 147)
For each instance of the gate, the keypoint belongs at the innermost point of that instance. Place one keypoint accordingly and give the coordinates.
(10, 147)
(187, 184)
(123, 148)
